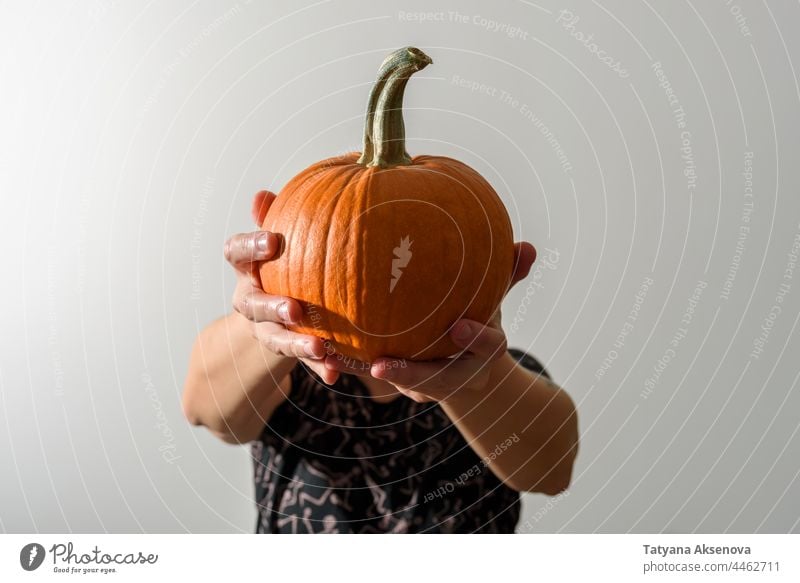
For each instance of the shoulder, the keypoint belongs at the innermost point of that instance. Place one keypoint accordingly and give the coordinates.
(528, 361)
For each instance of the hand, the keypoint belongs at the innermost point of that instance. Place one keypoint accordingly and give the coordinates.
(269, 314)
(441, 379)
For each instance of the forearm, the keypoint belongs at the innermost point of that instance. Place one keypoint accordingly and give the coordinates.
(532, 417)
(233, 382)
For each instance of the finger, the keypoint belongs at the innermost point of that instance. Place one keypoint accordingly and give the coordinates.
(340, 362)
(416, 396)
(243, 249)
(485, 342)
(524, 256)
(257, 306)
(430, 377)
(248, 279)
(262, 200)
(287, 343)
(328, 376)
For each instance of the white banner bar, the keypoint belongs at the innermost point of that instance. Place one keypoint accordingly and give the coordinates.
(352, 558)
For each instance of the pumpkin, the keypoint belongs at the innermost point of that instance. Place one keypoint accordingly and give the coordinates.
(384, 251)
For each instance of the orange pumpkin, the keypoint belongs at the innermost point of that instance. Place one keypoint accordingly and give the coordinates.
(386, 252)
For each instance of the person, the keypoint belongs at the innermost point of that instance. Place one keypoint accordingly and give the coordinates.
(437, 446)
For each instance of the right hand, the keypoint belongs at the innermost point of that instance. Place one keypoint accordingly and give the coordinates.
(267, 313)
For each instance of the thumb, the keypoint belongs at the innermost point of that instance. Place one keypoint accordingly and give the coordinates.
(524, 256)
(261, 203)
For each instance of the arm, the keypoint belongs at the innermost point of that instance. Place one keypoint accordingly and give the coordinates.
(234, 384)
(239, 368)
(535, 414)
(522, 424)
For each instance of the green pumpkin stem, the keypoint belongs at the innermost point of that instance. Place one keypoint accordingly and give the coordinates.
(384, 131)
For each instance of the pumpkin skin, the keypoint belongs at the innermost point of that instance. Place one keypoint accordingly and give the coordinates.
(384, 260)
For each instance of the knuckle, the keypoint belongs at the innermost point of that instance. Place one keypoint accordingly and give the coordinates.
(271, 345)
(299, 348)
(240, 248)
(241, 303)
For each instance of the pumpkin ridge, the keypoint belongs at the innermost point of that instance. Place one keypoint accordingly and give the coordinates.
(292, 198)
(463, 278)
(494, 211)
(315, 183)
(340, 184)
(346, 311)
(474, 187)
(365, 198)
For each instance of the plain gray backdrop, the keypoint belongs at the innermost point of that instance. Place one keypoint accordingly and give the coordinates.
(649, 150)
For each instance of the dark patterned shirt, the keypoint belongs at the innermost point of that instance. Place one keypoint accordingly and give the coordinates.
(333, 459)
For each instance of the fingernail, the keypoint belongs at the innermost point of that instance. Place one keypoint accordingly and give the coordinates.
(462, 331)
(381, 371)
(283, 312)
(309, 348)
(262, 242)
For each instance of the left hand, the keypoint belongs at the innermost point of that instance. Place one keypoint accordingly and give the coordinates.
(435, 380)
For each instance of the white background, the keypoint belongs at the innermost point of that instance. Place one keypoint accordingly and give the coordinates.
(134, 135)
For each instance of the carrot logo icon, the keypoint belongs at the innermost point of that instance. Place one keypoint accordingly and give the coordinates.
(402, 255)
(31, 556)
